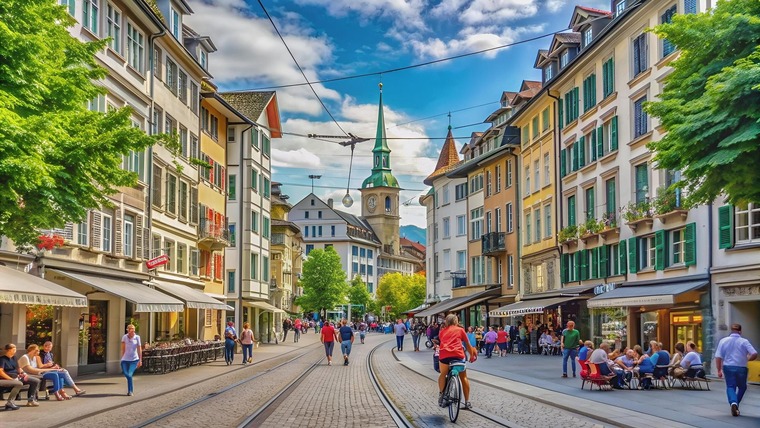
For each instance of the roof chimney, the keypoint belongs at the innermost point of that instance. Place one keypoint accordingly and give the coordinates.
(330, 203)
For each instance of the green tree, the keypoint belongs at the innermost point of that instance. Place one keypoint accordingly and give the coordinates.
(710, 105)
(416, 291)
(358, 293)
(400, 292)
(57, 158)
(323, 281)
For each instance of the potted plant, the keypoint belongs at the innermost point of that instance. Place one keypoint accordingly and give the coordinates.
(568, 234)
(637, 213)
(609, 225)
(668, 204)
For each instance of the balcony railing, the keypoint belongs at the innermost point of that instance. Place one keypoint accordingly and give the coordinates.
(493, 243)
(213, 235)
(458, 278)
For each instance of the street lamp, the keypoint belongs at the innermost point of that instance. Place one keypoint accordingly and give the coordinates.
(314, 177)
(348, 200)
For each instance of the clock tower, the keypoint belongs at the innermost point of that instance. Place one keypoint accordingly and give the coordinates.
(380, 191)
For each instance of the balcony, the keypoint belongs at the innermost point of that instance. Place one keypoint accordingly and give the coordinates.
(212, 235)
(277, 239)
(493, 243)
(458, 278)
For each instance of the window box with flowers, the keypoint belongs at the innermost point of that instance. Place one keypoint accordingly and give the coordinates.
(568, 235)
(669, 206)
(610, 228)
(590, 229)
(637, 214)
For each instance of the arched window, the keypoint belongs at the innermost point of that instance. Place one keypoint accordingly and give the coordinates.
(377, 160)
(385, 161)
(387, 204)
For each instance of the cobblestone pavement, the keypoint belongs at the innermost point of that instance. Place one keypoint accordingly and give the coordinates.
(416, 394)
(336, 396)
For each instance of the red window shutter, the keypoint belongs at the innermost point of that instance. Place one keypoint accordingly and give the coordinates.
(223, 184)
(211, 170)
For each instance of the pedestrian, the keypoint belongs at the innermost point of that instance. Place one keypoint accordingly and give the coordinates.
(400, 330)
(570, 340)
(417, 330)
(12, 377)
(297, 326)
(362, 331)
(490, 341)
(502, 338)
(346, 334)
(512, 337)
(286, 324)
(327, 336)
(731, 357)
(522, 333)
(230, 336)
(131, 356)
(471, 337)
(246, 339)
(479, 338)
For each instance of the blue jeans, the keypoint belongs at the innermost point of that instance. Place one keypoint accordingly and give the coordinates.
(229, 350)
(247, 352)
(416, 341)
(521, 345)
(489, 349)
(568, 353)
(56, 378)
(345, 347)
(400, 342)
(736, 383)
(128, 368)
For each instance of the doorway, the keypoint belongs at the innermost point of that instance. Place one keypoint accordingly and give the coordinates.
(93, 338)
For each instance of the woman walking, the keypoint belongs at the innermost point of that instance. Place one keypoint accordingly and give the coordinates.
(246, 339)
(131, 356)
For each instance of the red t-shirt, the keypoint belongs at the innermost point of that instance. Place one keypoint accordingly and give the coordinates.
(328, 333)
(451, 342)
(501, 336)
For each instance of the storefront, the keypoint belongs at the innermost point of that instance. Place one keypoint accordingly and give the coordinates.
(263, 313)
(470, 309)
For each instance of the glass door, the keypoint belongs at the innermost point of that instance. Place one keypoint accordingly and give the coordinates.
(93, 338)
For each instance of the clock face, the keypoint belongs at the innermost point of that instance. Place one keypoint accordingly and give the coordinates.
(372, 203)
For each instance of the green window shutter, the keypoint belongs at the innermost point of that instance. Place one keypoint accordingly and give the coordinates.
(582, 152)
(614, 134)
(571, 211)
(659, 250)
(564, 268)
(726, 226)
(595, 265)
(633, 260)
(592, 145)
(690, 245)
(590, 204)
(576, 97)
(563, 163)
(611, 69)
(593, 89)
(578, 266)
(584, 265)
(576, 154)
(560, 112)
(622, 258)
(603, 265)
(611, 197)
(600, 141)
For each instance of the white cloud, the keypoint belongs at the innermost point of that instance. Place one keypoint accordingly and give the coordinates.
(300, 158)
(556, 5)
(471, 39)
(403, 13)
(447, 8)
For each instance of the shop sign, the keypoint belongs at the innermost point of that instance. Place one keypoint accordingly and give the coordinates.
(604, 288)
(158, 261)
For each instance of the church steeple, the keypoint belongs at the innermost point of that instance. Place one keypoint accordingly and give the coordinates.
(381, 155)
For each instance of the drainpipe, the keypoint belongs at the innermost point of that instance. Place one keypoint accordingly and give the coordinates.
(433, 248)
(557, 178)
(241, 174)
(518, 213)
(709, 339)
(151, 112)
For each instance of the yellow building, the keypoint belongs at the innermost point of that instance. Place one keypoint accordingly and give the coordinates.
(286, 248)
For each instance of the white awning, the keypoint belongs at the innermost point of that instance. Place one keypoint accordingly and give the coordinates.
(525, 307)
(145, 298)
(21, 288)
(193, 298)
(263, 305)
(644, 295)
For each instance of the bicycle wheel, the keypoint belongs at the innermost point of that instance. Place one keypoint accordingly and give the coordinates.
(455, 394)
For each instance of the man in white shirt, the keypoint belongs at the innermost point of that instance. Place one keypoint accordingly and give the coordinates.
(731, 357)
(601, 356)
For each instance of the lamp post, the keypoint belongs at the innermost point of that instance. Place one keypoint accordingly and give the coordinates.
(314, 177)
(348, 200)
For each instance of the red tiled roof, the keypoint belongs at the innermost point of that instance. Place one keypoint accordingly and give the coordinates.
(448, 157)
(594, 10)
(404, 242)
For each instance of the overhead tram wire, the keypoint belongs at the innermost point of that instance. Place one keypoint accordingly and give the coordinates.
(443, 114)
(300, 69)
(334, 187)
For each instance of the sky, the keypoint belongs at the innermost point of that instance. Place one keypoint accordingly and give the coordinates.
(338, 38)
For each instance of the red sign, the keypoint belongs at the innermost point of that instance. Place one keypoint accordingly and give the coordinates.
(158, 261)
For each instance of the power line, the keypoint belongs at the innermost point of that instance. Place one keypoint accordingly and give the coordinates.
(334, 187)
(300, 69)
(444, 114)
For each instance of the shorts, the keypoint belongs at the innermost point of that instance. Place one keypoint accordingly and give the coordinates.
(329, 348)
(502, 346)
(449, 360)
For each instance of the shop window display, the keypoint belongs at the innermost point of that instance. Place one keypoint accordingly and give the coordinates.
(609, 325)
(39, 324)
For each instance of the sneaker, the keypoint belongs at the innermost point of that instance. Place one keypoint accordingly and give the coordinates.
(329, 363)
(564, 374)
(32, 404)
(11, 406)
(734, 409)
(468, 405)
(441, 401)
(250, 359)
(130, 394)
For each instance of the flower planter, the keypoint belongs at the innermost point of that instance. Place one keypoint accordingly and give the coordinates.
(671, 216)
(640, 223)
(610, 233)
(589, 236)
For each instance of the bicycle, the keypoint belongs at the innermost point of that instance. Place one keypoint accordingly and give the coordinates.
(452, 390)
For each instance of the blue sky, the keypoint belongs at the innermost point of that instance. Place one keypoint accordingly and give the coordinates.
(335, 38)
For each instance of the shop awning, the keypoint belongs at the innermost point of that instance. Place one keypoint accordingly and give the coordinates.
(471, 303)
(419, 308)
(458, 303)
(644, 295)
(145, 298)
(21, 288)
(524, 307)
(263, 305)
(193, 298)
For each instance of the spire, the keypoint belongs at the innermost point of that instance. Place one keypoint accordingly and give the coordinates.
(381, 155)
(449, 157)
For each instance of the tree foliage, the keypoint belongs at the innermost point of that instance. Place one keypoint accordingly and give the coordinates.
(710, 105)
(57, 158)
(323, 281)
(358, 293)
(400, 292)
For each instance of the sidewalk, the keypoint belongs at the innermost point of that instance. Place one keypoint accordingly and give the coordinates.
(106, 391)
(538, 377)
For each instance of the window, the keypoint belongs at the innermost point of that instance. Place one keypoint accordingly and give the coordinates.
(564, 58)
(255, 266)
(182, 90)
(510, 218)
(268, 190)
(233, 236)
(171, 193)
(538, 226)
(489, 187)
(265, 145)
(525, 137)
(476, 223)
(460, 191)
(497, 173)
(547, 170)
(477, 269)
(265, 268)
(446, 198)
(590, 207)
(184, 147)
(476, 183)
(232, 187)
(83, 231)
(616, 259)
(175, 24)
(677, 246)
(309, 247)
(169, 251)
(332, 231)
(619, 7)
(667, 17)
(747, 218)
(545, 120)
(135, 162)
(589, 92)
(640, 63)
(461, 225)
(129, 235)
(488, 222)
(611, 203)
(113, 28)
(510, 271)
(534, 125)
(548, 220)
(230, 281)
(107, 233)
(647, 253)
(608, 77)
(181, 254)
(548, 73)
(195, 261)
(183, 194)
(640, 122)
(171, 76)
(537, 175)
(641, 183)
(446, 260)
(587, 36)
(690, 6)
(71, 6)
(527, 179)
(135, 48)
(97, 104)
(170, 125)
(528, 237)
(194, 97)
(446, 227)
(204, 59)
(509, 173)
(255, 223)
(571, 211)
(90, 15)
(571, 105)
(461, 260)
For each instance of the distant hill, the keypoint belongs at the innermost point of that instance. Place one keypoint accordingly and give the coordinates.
(414, 233)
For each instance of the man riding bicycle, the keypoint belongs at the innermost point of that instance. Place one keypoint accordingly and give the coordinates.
(452, 337)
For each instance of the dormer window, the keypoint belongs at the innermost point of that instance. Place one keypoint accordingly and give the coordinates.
(564, 58)
(204, 59)
(175, 24)
(619, 7)
(504, 103)
(587, 36)
(548, 72)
